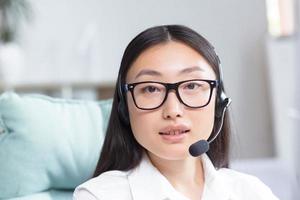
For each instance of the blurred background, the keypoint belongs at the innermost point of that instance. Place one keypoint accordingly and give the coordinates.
(73, 49)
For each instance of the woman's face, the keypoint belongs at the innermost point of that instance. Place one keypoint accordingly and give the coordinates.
(154, 129)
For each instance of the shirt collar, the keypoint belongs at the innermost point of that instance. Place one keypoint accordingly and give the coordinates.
(146, 182)
(214, 186)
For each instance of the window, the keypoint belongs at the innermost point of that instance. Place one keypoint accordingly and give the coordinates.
(281, 17)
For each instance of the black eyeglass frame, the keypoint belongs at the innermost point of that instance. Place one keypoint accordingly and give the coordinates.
(171, 86)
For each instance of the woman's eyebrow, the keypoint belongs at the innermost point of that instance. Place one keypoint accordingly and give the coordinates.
(156, 73)
(191, 69)
(148, 72)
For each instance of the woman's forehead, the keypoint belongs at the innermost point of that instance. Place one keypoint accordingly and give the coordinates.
(169, 59)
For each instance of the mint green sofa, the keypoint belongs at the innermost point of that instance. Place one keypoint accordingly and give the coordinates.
(48, 146)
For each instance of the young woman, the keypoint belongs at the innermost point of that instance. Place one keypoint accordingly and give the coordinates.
(169, 95)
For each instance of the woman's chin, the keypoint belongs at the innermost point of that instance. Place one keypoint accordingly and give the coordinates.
(173, 154)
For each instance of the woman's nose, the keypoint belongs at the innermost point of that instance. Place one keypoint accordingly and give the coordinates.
(172, 107)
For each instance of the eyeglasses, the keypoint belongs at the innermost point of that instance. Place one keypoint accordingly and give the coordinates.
(149, 95)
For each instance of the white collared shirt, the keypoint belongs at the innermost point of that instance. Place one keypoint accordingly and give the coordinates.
(145, 182)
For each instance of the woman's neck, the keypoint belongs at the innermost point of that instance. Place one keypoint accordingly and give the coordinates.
(186, 176)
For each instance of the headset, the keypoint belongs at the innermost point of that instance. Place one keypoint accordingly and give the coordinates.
(222, 103)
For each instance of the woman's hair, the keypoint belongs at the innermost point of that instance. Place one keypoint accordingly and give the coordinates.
(120, 150)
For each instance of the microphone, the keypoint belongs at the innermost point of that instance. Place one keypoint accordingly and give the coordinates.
(198, 148)
(202, 146)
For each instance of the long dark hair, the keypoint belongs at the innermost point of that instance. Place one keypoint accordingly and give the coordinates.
(120, 150)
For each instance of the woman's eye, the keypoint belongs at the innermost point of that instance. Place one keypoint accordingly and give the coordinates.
(150, 89)
(192, 86)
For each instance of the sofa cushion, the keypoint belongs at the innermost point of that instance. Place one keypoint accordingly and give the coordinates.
(48, 195)
(48, 142)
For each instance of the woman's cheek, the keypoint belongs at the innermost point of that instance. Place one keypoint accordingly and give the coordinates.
(203, 121)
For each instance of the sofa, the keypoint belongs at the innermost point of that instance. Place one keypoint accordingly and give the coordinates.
(48, 146)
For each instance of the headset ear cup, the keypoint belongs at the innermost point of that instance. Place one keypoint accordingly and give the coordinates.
(122, 107)
(222, 103)
(123, 113)
(219, 106)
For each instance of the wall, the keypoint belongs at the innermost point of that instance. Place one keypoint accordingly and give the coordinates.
(297, 99)
(283, 76)
(74, 41)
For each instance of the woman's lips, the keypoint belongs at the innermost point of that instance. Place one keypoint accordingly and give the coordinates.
(174, 136)
(174, 132)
